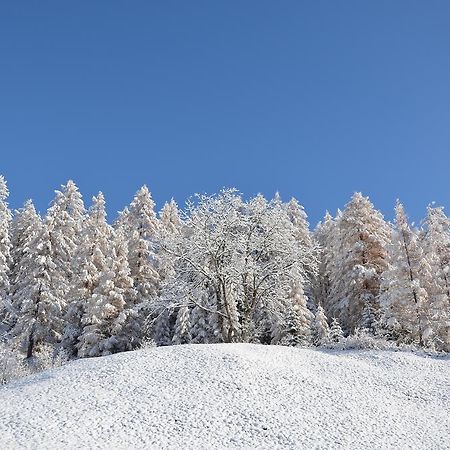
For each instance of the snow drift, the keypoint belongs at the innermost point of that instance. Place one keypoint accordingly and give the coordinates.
(233, 396)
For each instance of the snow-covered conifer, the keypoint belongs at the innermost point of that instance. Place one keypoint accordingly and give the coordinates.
(39, 320)
(320, 327)
(25, 226)
(182, 327)
(5, 250)
(360, 257)
(436, 247)
(336, 333)
(297, 318)
(64, 221)
(404, 298)
(325, 235)
(108, 318)
(90, 259)
(142, 243)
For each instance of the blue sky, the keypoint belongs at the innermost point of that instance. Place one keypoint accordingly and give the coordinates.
(315, 99)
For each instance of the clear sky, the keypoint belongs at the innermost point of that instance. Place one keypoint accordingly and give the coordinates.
(315, 99)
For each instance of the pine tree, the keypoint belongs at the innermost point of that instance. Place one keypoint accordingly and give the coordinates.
(5, 252)
(336, 333)
(320, 328)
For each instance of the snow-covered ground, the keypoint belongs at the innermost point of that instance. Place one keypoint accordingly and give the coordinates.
(232, 396)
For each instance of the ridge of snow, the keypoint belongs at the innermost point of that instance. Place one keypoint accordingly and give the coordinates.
(232, 396)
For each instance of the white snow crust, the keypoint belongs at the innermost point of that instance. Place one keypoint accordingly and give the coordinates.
(229, 396)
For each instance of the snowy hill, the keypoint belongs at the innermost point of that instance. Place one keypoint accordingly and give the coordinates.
(232, 396)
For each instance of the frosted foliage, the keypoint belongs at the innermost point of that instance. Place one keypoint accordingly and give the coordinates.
(221, 270)
(64, 221)
(24, 230)
(336, 333)
(91, 259)
(5, 247)
(405, 298)
(108, 319)
(436, 245)
(40, 318)
(359, 258)
(143, 245)
(244, 255)
(320, 328)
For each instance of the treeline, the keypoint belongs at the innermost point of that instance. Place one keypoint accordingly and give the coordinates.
(221, 270)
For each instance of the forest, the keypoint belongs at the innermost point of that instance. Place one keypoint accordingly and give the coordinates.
(220, 269)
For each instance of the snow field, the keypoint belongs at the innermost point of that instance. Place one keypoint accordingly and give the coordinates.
(233, 396)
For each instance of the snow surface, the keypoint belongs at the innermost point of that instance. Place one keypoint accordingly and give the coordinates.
(232, 396)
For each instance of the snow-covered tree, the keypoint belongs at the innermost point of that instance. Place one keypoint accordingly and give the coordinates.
(304, 237)
(108, 318)
(91, 259)
(5, 250)
(325, 236)
(182, 327)
(39, 320)
(170, 225)
(320, 327)
(25, 226)
(360, 256)
(246, 256)
(436, 246)
(404, 299)
(297, 319)
(336, 333)
(64, 221)
(369, 318)
(170, 217)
